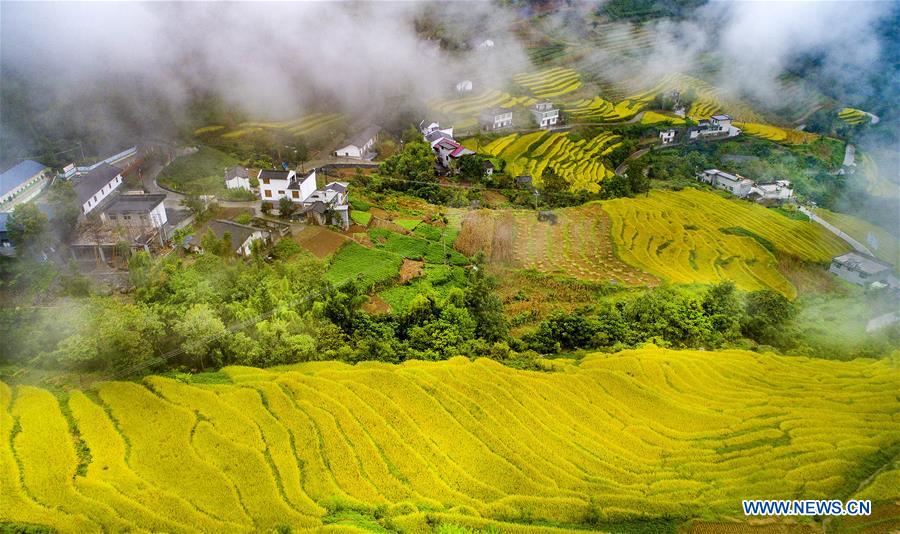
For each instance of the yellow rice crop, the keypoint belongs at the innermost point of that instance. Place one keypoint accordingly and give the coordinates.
(551, 82)
(638, 434)
(678, 236)
(775, 133)
(853, 116)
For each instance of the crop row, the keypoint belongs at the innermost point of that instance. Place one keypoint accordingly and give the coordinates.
(853, 116)
(713, 238)
(641, 433)
(776, 133)
(551, 82)
(302, 126)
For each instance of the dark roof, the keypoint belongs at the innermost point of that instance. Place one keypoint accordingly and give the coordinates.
(337, 186)
(18, 174)
(435, 135)
(493, 112)
(524, 179)
(239, 232)
(863, 263)
(87, 185)
(363, 137)
(274, 174)
(487, 164)
(236, 172)
(135, 203)
(295, 183)
(722, 117)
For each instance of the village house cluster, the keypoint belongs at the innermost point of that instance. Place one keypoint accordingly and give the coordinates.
(715, 127)
(769, 193)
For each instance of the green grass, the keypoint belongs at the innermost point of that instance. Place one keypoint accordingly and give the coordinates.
(438, 279)
(433, 233)
(359, 204)
(835, 325)
(409, 224)
(360, 217)
(372, 267)
(415, 248)
(795, 214)
(201, 173)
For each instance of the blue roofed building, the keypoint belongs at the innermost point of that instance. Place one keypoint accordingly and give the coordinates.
(21, 182)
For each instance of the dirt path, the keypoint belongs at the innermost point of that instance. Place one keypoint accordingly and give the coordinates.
(620, 170)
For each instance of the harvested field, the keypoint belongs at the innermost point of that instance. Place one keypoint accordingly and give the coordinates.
(321, 241)
(410, 269)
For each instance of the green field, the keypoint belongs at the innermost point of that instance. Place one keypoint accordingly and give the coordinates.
(371, 267)
(615, 438)
(201, 173)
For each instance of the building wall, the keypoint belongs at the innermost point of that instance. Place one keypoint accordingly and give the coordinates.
(246, 248)
(274, 190)
(349, 151)
(104, 192)
(238, 183)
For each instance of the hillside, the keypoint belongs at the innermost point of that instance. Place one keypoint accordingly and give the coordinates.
(639, 434)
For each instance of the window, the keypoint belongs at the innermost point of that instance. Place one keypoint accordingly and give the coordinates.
(112, 217)
(126, 217)
(296, 194)
(268, 193)
(265, 181)
(281, 192)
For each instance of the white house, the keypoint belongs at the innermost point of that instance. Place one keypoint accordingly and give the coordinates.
(448, 150)
(237, 178)
(545, 115)
(432, 127)
(464, 86)
(137, 211)
(668, 136)
(96, 185)
(495, 119)
(359, 146)
(21, 181)
(778, 192)
(487, 44)
(240, 235)
(273, 184)
(735, 183)
(328, 205)
(860, 269)
(714, 127)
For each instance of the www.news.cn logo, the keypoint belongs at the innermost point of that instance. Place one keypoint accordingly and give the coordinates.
(808, 507)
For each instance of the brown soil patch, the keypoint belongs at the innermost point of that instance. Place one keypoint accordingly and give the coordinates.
(380, 213)
(231, 213)
(322, 242)
(355, 229)
(387, 225)
(376, 305)
(704, 527)
(410, 269)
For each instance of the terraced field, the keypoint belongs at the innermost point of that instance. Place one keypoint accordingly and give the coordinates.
(301, 126)
(550, 83)
(776, 133)
(578, 162)
(578, 245)
(637, 434)
(697, 236)
(472, 105)
(853, 116)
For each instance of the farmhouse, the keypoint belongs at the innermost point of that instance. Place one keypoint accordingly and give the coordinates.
(668, 136)
(428, 128)
(273, 183)
(328, 205)
(237, 178)
(495, 119)
(464, 86)
(717, 126)
(96, 185)
(545, 115)
(734, 183)
(488, 167)
(140, 211)
(860, 269)
(777, 192)
(448, 150)
(359, 146)
(241, 236)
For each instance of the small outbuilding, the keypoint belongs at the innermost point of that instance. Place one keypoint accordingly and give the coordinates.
(360, 145)
(237, 178)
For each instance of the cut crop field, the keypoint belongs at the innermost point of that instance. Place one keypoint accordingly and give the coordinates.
(776, 133)
(578, 245)
(578, 162)
(470, 106)
(639, 434)
(698, 236)
(854, 116)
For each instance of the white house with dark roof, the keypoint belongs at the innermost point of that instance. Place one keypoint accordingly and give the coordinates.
(360, 145)
(92, 188)
(22, 181)
(734, 183)
(545, 115)
(429, 128)
(495, 119)
(273, 184)
(137, 211)
(237, 178)
(241, 236)
(448, 150)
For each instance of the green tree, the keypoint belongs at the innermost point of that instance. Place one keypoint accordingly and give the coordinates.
(203, 336)
(27, 228)
(723, 306)
(266, 207)
(471, 168)
(415, 163)
(286, 208)
(484, 305)
(65, 206)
